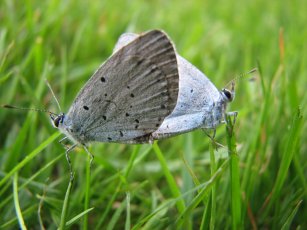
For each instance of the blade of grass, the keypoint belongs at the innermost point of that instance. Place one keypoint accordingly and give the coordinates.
(17, 204)
(170, 179)
(234, 175)
(29, 180)
(29, 157)
(77, 217)
(87, 191)
(65, 206)
(126, 172)
(286, 160)
(116, 216)
(188, 161)
(131, 162)
(16, 149)
(144, 222)
(162, 209)
(187, 184)
(208, 219)
(11, 224)
(205, 221)
(287, 224)
(205, 190)
(128, 212)
(39, 211)
(213, 191)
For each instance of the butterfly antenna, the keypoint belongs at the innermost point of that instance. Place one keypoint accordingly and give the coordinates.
(239, 77)
(56, 100)
(28, 109)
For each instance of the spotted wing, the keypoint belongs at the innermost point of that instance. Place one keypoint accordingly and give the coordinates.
(130, 95)
(196, 91)
(199, 103)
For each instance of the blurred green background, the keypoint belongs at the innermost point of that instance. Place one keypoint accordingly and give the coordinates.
(66, 41)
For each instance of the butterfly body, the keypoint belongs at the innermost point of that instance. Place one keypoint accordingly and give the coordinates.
(200, 104)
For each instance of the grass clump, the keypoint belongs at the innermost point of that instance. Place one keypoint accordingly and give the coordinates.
(258, 180)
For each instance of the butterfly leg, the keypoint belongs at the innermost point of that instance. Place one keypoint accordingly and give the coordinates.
(63, 144)
(63, 139)
(234, 114)
(209, 134)
(89, 154)
(69, 161)
(212, 136)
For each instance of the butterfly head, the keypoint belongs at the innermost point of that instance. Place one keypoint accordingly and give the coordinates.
(229, 94)
(56, 120)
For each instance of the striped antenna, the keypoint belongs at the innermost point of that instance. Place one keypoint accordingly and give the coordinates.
(28, 109)
(240, 76)
(56, 100)
(34, 109)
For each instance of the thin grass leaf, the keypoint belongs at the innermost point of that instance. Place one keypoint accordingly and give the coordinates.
(128, 212)
(146, 222)
(170, 179)
(17, 203)
(234, 175)
(87, 191)
(157, 213)
(108, 207)
(39, 211)
(213, 192)
(18, 145)
(31, 180)
(78, 217)
(208, 218)
(287, 157)
(287, 224)
(29, 157)
(205, 190)
(76, 39)
(65, 206)
(136, 150)
(13, 223)
(116, 216)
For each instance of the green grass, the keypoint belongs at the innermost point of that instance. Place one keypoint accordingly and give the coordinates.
(257, 181)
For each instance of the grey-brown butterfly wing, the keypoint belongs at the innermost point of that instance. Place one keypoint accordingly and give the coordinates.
(124, 40)
(199, 105)
(129, 96)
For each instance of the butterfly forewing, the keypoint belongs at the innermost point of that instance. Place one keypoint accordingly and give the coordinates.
(129, 96)
(199, 103)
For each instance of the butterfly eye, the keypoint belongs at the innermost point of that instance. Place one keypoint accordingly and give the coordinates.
(56, 120)
(228, 95)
